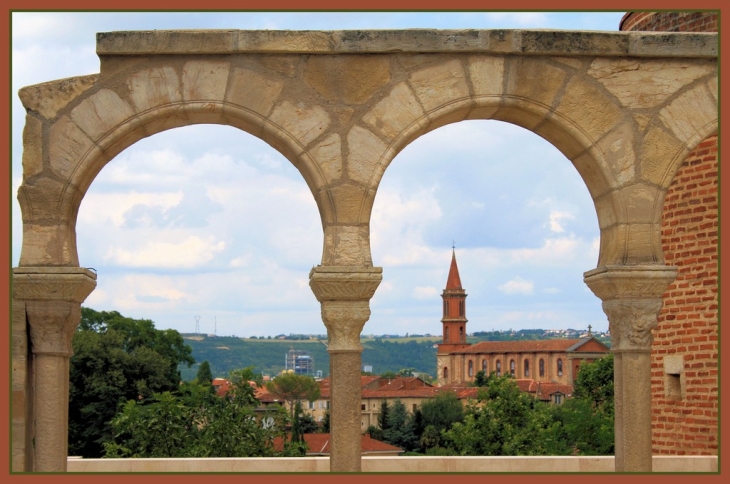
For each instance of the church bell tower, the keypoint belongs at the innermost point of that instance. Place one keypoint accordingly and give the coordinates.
(453, 323)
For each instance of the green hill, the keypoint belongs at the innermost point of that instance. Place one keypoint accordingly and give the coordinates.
(267, 356)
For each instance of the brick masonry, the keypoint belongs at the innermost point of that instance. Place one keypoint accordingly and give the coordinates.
(684, 380)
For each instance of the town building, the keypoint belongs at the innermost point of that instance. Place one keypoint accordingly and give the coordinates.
(538, 362)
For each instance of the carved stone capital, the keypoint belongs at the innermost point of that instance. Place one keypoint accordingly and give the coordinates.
(344, 283)
(52, 297)
(52, 326)
(344, 321)
(630, 322)
(632, 298)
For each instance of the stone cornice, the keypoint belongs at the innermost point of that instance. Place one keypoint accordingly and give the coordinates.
(497, 41)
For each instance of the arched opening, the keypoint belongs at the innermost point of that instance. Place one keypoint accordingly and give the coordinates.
(208, 231)
(560, 367)
(523, 221)
(485, 368)
(471, 368)
(542, 367)
(499, 367)
(526, 369)
(512, 367)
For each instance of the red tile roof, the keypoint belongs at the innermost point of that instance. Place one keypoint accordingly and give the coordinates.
(531, 346)
(319, 444)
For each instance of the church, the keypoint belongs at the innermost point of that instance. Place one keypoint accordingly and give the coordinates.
(550, 363)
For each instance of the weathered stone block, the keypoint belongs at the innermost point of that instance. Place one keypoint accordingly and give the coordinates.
(155, 87)
(304, 123)
(328, 155)
(68, 146)
(658, 157)
(100, 113)
(658, 79)
(347, 246)
(254, 91)
(440, 84)
(534, 79)
(644, 244)
(395, 113)
(349, 203)
(618, 150)
(486, 74)
(606, 210)
(349, 79)
(691, 116)
(589, 109)
(48, 246)
(32, 147)
(640, 203)
(364, 151)
(205, 80)
(49, 98)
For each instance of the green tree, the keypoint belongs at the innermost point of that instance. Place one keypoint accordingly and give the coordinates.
(204, 376)
(198, 424)
(439, 414)
(504, 421)
(399, 429)
(116, 359)
(383, 415)
(293, 388)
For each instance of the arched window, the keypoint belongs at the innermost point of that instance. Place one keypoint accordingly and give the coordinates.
(461, 333)
(446, 334)
(499, 368)
(542, 367)
(461, 308)
(527, 367)
(446, 308)
(560, 367)
(512, 367)
(446, 373)
(484, 365)
(471, 368)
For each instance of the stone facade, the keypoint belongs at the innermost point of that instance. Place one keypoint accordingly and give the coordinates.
(685, 351)
(626, 108)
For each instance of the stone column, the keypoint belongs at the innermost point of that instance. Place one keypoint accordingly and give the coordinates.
(344, 293)
(52, 297)
(632, 298)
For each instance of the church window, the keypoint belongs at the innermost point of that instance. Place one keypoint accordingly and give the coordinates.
(471, 368)
(499, 368)
(560, 367)
(446, 308)
(527, 367)
(512, 367)
(542, 367)
(461, 333)
(484, 365)
(446, 373)
(461, 308)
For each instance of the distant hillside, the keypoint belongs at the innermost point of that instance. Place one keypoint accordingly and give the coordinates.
(268, 356)
(386, 353)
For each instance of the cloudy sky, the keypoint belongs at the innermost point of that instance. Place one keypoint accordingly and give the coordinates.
(210, 222)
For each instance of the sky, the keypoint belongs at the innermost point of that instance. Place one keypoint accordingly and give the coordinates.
(207, 226)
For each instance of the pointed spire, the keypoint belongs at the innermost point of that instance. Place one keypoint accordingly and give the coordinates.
(454, 281)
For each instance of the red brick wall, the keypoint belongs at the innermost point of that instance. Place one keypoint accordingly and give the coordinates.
(684, 381)
(670, 21)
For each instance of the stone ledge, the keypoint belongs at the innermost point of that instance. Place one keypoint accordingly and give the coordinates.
(498, 41)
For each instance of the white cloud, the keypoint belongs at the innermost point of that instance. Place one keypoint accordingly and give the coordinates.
(517, 285)
(110, 208)
(555, 218)
(191, 252)
(425, 292)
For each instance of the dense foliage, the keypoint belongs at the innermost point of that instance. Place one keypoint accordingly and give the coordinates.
(292, 389)
(117, 359)
(197, 423)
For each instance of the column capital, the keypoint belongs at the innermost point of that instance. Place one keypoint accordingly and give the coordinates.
(344, 293)
(632, 298)
(52, 297)
(344, 283)
(72, 284)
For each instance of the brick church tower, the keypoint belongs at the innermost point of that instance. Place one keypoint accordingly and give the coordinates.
(453, 322)
(684, 380)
